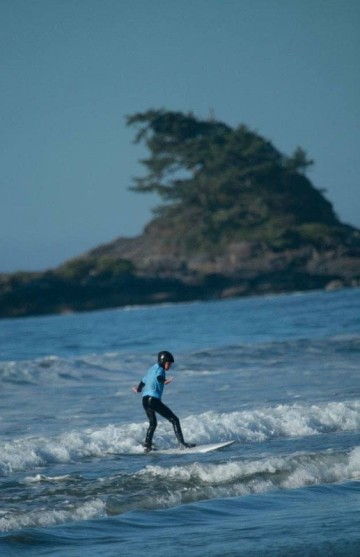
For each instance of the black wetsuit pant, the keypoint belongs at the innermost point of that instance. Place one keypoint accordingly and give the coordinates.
(151, 406)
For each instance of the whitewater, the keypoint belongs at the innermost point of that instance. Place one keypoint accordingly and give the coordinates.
(279, 375)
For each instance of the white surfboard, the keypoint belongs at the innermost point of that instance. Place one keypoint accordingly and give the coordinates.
(194, 450)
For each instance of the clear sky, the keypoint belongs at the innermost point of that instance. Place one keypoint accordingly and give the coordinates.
(71, 70)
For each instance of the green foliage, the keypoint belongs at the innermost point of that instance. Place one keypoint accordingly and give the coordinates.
(299, 162)
(314, 232)
(320, 234)
(219, 183)
(111, 266)
(104, 267)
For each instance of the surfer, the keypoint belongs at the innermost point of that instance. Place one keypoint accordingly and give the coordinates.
(151, 387)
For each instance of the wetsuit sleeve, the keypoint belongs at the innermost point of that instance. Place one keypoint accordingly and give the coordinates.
(140, 386)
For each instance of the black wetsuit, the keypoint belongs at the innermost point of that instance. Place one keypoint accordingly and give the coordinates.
(154, 382)
(151, 406)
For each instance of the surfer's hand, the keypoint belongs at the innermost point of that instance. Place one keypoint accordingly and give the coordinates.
(135, 390)
(167, 381)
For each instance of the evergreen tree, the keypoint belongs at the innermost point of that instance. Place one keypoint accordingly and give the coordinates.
(220, 184)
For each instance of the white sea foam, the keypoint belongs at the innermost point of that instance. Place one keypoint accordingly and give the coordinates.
(175, 485)
(34, 452)
(42, 478)
(281, 421)
(49, 517)
(164, 486)
(238, 477)
(256, 425)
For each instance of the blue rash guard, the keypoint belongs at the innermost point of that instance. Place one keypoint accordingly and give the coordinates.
(151, 386)
(154, 382)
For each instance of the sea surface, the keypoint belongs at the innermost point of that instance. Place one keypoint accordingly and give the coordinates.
(279, 375)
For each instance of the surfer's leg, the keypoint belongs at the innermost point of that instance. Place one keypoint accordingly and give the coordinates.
(152, 422)
(166, 413)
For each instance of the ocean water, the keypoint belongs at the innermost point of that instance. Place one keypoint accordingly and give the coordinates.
(279, 375)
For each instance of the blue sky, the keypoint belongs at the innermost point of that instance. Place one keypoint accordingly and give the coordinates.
(71, 70)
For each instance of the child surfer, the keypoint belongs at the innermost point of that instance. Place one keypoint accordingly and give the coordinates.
(151, 387)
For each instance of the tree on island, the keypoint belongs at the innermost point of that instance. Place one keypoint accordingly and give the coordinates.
(236, 218)
(220, 184)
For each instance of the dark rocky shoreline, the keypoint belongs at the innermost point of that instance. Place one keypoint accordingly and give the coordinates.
(155, 274)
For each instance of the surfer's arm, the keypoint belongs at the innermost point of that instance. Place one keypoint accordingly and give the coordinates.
(139, 388)
(165, 380)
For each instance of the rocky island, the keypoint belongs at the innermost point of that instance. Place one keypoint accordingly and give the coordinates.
(237, 218)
